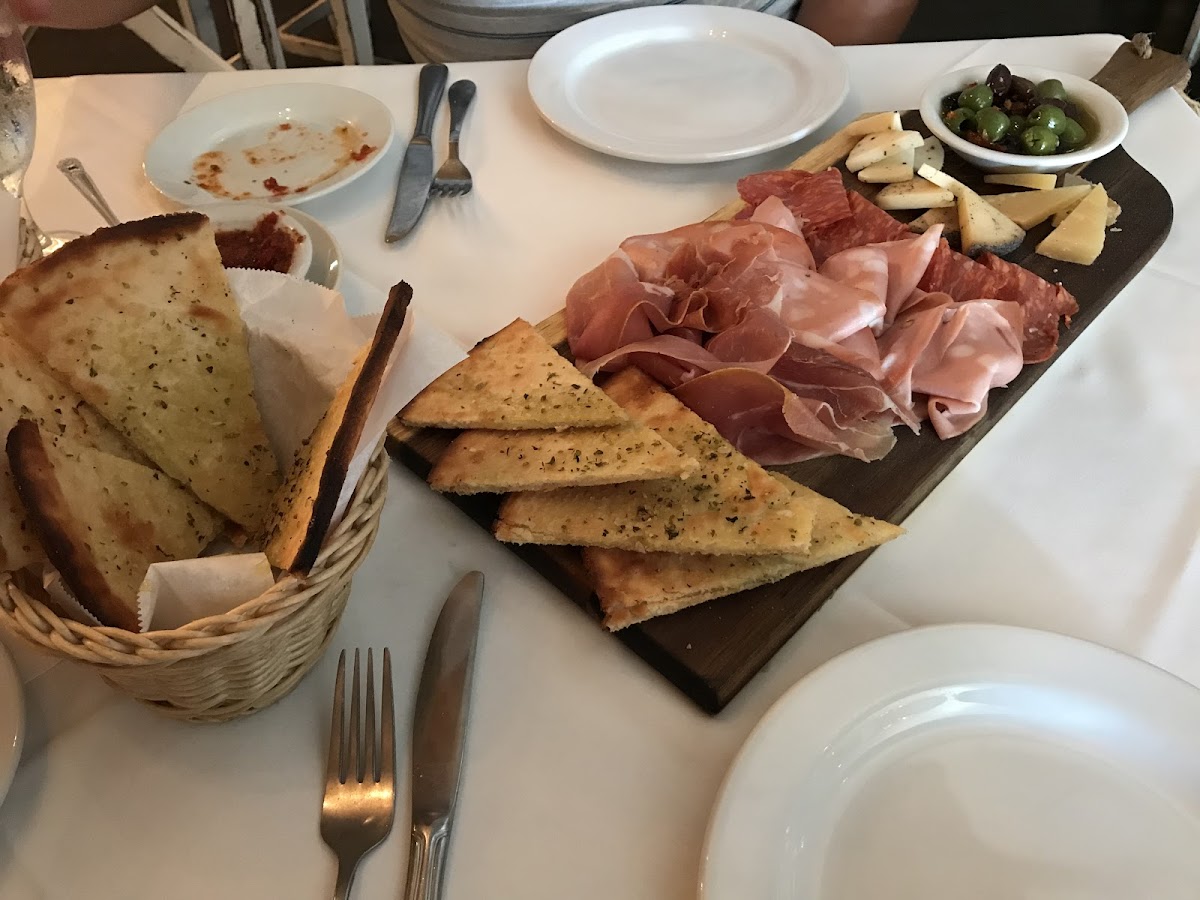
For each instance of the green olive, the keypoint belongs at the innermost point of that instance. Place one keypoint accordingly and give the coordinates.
(1073, 136)
(1051, 87)
(977, 97)
(992, 124)
(1038, 140)
(1049, 117)
(956, 119)
(1016, 124)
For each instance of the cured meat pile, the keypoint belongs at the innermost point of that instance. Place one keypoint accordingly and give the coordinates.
(815, 322)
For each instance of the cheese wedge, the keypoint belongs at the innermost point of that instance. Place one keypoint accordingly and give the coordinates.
(1080, 238)
(946, 216)
(984, 228)
(1030, 208)
(1114, 213)
(892, 169)
(931, 153)
(884, 121)
(917, 193)
(879, 146)
(1037, 180)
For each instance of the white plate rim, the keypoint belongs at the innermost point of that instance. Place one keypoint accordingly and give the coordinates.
(173, 187)
(10, 692)
(543, 79)
(971, 642)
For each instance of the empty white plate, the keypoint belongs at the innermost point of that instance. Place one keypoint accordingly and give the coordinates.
(966, 761)
(12, 721)
(285, 143)
(687, 84)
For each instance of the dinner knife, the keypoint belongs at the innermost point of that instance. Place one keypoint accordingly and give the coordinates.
(416, 172)
(438, 732)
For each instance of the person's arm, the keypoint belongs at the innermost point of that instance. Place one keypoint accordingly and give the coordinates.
(78, 13)
(856, 21)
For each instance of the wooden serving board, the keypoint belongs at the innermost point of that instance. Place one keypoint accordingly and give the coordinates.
(711, 651)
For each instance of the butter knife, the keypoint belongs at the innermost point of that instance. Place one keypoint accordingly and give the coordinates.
(438, 733)
(416, 172)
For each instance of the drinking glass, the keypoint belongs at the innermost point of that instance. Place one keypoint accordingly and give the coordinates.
(21, 241)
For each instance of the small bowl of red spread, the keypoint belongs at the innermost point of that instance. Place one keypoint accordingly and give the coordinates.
(261, 236)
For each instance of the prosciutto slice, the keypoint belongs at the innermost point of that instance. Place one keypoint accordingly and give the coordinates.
(610, 306)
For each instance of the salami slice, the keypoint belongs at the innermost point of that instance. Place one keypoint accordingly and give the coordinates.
(1044, 304)
(817, 199)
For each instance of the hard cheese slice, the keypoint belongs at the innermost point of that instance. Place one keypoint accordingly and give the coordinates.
(916, 193)
(732, 505)
(932, 153)
(879, 146)
(884, 121)
(138, 319)
(1030, 208)
(983, 226)
(104, 520)
(1037, 180)
(511, 381)
(27, 390)
(503, 461)
(634, 587)
(946, 216)
(894, 168)
(1080, 237)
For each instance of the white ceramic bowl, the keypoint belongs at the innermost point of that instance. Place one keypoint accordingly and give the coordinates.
(1107, 127)
(238, 216)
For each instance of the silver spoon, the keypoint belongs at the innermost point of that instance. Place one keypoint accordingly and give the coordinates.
(78, 176)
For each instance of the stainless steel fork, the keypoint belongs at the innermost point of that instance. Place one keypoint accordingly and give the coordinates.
(453, 179)
(360, 777)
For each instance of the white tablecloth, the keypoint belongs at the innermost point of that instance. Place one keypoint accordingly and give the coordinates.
(588, 776)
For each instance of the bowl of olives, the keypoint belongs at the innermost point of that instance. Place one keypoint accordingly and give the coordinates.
(1027, 120)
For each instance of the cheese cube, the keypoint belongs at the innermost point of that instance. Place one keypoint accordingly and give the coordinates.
(914, 194)
(1030, 208)
(891, 169)
(879, 146)
(869, 124)
(1080, 238)
(1036, 180)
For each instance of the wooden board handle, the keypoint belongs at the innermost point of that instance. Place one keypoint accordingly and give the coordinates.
(1138, 71)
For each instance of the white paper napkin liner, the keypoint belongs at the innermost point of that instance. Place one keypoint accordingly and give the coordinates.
(182, 591)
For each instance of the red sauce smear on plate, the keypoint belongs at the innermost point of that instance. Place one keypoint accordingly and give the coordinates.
(268, 245)
(274, 186)
(362, 152)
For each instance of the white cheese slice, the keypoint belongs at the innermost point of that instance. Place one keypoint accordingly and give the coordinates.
(891, 169)
(879, 145)
(1040, 181)
(916, 193)
(946, 216)
(1080, 238)
(884, 121)
(1030, 208)
(983, 226)
(931, 153)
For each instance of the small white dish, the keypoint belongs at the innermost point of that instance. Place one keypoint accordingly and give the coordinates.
(308, 137)
(12, 721)
(1108, 127)
(318, 258)
(962, 761)
(687, 84)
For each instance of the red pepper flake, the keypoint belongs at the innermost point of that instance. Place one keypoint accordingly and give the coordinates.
(274, 186)
(285, 126)
(362, 152)
(268, 245)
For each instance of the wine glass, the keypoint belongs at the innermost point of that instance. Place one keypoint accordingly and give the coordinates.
(21, 241)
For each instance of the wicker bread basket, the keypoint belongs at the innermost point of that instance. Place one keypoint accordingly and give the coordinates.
(225, 666)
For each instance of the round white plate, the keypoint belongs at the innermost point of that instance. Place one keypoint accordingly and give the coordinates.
(966, 761)
(687, 84)
(12, 721)
(324, 263)
(305, 136)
